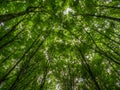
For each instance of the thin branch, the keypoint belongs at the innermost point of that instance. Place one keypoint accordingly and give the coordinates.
(10, 16)
(28, 61)
(102, 52)
(108, 37)
(10, 31)
(89, 70)
(103, 6)
(25, 53)
(10, 41)
(99, 16)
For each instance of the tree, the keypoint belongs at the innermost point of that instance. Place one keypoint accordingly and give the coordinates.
(59, 45)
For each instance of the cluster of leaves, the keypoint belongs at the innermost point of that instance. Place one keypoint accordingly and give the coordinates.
(59, 45)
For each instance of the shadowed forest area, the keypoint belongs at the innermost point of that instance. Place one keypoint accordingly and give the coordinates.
(59, 44)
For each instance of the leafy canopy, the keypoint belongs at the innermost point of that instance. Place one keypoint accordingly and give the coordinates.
(59, 44)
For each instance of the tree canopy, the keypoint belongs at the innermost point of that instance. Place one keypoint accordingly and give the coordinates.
(59, 44)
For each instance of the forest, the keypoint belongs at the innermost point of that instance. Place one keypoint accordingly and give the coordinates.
(59, 44)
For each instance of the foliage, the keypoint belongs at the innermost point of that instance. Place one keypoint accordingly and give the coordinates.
(60, 44)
